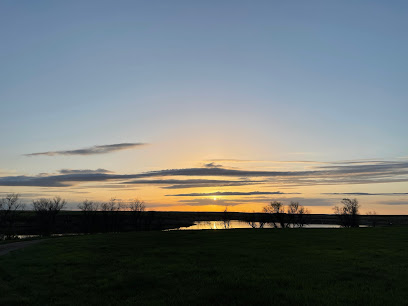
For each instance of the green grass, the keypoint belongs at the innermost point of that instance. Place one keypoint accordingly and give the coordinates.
(367, 266)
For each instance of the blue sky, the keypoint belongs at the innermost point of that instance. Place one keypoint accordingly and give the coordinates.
(200, 80)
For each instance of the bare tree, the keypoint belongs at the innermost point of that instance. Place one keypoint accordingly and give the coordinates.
(276, 210)
(89, 210)
(137, 207)
(47, 210)
(372, 218)
(226, 218)
(251, 221)
(254, 220)
(9, 208)
(111, 206)
(348, 213)
(50, 205)
(88, 206)
(110, 211)
(297, 214)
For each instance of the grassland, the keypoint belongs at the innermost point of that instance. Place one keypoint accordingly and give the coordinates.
(366, 266)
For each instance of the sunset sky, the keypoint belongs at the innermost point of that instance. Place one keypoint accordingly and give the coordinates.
(199, 105)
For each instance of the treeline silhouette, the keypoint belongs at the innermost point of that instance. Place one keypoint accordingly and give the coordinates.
(280, 216)
(117, 216)
(46, 217)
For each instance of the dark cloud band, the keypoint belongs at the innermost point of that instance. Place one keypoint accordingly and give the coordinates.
(350, 173)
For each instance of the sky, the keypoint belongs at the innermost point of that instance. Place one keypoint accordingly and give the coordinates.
(202, 105)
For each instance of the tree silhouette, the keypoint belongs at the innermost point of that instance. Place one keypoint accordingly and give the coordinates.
(276, 210)
(137, 207)
(89, 213)
(295, 215)
(46, 211)
(9, 208)
(348, 213)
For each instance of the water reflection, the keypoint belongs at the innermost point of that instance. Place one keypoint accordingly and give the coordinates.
(20, 237)
(217, 225)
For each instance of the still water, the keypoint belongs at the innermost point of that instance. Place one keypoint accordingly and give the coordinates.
(2, 238)
(201, 225)
(217, 225)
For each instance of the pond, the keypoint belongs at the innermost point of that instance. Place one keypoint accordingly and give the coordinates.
(19, 237)
(218, 225)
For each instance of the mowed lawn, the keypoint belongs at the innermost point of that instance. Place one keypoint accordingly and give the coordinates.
(366, 266)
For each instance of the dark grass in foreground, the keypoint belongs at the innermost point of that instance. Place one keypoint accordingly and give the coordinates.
(366, 266)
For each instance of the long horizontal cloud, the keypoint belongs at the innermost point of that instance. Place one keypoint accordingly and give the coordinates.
(72, 177)
(210, 202)
(262, 201)
(103, 149)
(62, 180)
(366, 166)
(192, 183)
(367, 193)
(346, 173)
(356, 173)
(228, 193)
(395, 203)
(218, 171)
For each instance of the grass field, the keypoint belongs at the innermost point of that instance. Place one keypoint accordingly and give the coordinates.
(366, 266)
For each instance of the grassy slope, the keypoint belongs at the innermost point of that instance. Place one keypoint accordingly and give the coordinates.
(236, 267)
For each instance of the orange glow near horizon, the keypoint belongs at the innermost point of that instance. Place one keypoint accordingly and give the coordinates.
(246, 198)
(157, 199)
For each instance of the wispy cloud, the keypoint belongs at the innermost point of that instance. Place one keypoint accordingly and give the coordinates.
(83, 171)
(228, 193)
(212, 165)
(103, 149)
(231, 160)
(316, 162)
